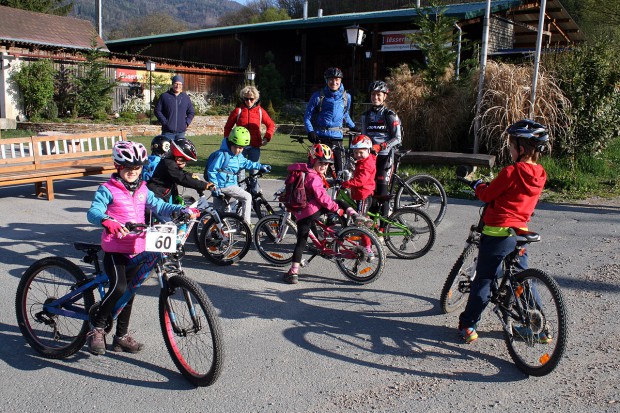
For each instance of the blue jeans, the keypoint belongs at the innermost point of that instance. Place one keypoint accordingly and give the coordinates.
(490, 256)
(253, 154)
(173, 135)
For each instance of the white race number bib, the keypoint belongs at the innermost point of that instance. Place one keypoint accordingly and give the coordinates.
(161, 238)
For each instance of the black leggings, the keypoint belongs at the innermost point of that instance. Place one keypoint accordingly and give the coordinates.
(385, 165)
(303, 229)
(115, 265)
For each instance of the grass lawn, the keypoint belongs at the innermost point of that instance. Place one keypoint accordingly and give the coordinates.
(586, 177)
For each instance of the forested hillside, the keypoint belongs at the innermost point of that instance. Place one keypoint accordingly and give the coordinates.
(195, 14)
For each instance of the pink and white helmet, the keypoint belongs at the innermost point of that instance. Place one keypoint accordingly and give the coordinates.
(128, 153)
(361, 142)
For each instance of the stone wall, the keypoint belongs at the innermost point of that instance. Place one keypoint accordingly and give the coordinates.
(202, 125)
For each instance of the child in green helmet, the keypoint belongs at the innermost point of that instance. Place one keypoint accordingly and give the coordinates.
(224, 165)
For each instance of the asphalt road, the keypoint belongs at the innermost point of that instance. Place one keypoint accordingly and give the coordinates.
(323, 345)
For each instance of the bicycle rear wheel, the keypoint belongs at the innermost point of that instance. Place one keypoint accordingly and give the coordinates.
(53, 336)
(455, 291)
(353, 259)
(191, 330)
(416, 239)
(228, 245)
(536, 344)
(424, 192)
(266, 234)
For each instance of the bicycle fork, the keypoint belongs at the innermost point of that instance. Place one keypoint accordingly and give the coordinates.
(162, 271)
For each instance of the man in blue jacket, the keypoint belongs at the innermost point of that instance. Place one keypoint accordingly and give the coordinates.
(174, 110)
(326, 112)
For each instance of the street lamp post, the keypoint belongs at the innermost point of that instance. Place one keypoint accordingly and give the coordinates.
(150, 66)
(250, 75)
(297, 63)
(355, 37)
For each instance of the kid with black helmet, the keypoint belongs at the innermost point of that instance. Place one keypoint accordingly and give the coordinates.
(224, 165)
(169, 174)
(124, 198)
(160, 145)
(511, 199)
(326, 112)
(382, 125)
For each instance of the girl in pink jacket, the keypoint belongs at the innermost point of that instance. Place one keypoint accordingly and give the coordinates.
(318, 202)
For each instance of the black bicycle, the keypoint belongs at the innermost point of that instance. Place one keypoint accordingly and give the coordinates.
(420, 191)
(528, 303)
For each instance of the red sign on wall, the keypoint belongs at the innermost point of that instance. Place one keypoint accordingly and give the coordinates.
(397, 41)
(127, 75)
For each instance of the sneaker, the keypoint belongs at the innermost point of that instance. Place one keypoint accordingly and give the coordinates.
(126, 343)
(527, 333)
(369, 254)
(96, 341)
(468, 334)
(291, 277)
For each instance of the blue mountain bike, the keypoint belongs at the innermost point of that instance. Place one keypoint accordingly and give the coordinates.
(55, 302)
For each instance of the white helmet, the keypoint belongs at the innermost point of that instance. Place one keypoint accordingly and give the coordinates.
(361, 142)
(129, 153)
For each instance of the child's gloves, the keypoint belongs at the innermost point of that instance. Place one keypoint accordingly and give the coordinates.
(265, 168)
(190, 213)
(376, 148)
(340, 212)
(210, 186)
(114, 227)
(474, 184)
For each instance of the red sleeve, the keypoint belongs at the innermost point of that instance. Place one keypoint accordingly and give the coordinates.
(492, 191)
(269, 123)
(232, 119)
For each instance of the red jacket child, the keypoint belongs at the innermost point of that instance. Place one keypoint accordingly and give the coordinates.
(363, 182)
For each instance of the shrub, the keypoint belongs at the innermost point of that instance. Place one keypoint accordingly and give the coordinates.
(199, 101)
(506, 99)
(589, 76)
(93, 88)
(35, 81)
(134, 104)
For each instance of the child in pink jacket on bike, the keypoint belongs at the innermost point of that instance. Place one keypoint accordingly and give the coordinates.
(318, 202)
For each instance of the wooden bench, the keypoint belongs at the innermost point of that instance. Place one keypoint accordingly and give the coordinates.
(449, 158)
(43, 159)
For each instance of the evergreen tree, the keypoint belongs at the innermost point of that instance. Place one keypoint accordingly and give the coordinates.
(93, 87)
(270, 82)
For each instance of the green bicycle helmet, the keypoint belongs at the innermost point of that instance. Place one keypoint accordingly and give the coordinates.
(239, 136)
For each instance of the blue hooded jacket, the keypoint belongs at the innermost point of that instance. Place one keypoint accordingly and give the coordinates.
(332, 115)
(222, 166)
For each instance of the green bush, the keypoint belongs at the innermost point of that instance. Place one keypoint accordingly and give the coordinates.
(588, 75)
(35, 81)
(270, 82)
(93, 87)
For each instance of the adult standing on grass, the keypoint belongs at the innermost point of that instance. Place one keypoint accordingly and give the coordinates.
(327, 111)
(174, 110)
(251, 116)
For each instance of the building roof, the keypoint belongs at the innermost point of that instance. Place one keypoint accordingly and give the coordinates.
(46, 30)
(459, 11)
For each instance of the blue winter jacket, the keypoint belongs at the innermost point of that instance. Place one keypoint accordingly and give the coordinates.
(329, 120)
(224, 166)
(174, 112)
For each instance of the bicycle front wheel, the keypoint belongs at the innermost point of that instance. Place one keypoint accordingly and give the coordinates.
(261, 207)
(191, 331)
(359, 255)
(226, 245)
(53, 336)
(536, 342)
(424, 192)
(455, 291)
(275, 240)
(410, 233)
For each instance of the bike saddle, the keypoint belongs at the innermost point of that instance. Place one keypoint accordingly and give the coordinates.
(87, 247)
(526, 236)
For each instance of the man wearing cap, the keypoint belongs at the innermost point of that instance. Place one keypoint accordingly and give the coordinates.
(174, 110)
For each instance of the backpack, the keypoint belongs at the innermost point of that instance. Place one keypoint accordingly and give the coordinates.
(294, 196)
(149, 170)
